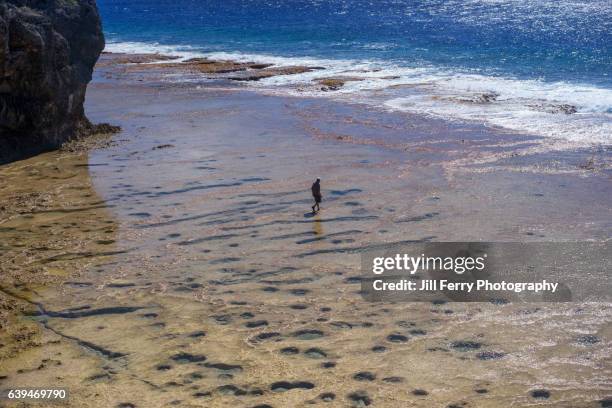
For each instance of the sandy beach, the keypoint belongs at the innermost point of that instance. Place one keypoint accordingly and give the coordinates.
(178, 263)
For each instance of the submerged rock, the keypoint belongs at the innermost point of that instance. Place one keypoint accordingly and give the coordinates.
(587, 339)
(327, 396)
(185, 358)
(308, 334)
(257, 74)
(419, 392)
(397, 338)
(360, 399)
(540, 394)
(553, 108)
(47, 53)
(282, 386)
(490, 355)
(231, 389)
(335, 83)
(475, 98)
(364, 376)
(605, 403)
(315, 353)
(466, 345)
(208, 66)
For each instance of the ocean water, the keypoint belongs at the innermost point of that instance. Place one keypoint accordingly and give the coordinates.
(532, 59)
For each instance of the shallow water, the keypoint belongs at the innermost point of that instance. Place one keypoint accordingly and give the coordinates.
(222, 290)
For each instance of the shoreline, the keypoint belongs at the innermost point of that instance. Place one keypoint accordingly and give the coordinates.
(197, 72)
(571, 112)
(221, 290)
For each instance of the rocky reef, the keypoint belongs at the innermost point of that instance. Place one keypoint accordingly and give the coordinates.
(212, 69)
(48, 49)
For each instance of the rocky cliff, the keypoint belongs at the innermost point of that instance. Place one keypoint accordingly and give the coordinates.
(48, 49)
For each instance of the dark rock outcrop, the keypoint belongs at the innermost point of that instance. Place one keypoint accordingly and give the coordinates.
(48, 49)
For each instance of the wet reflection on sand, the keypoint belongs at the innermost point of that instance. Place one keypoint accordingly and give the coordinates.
(219, 289)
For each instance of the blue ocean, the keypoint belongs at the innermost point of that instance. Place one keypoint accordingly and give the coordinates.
(542, 66)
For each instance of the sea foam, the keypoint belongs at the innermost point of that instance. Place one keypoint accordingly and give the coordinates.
(577, 113)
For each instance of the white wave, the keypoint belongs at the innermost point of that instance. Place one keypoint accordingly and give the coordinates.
(527, 106)
(135, 47)
(581, 128)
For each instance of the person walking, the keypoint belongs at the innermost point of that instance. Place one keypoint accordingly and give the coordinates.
(316, 193)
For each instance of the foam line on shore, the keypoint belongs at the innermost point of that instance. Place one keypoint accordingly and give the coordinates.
(578, 113)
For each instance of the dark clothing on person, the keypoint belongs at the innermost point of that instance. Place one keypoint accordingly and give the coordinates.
(316, 193)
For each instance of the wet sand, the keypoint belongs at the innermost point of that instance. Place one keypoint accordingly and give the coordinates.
(184, 269)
